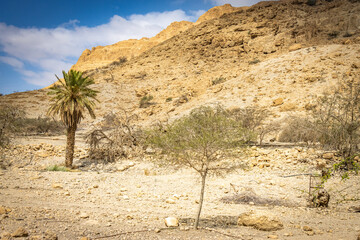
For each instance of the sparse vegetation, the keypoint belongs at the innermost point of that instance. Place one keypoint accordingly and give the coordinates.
(199, 141)
(71, 98)
(9, 117)
(218, 80)
(145, 101)
(117, 137)
(57, 168)
(169, 99)
(254, 61)
(298, 129)
(333, 34)
(39, 125)
(336, 118)
(252, 120)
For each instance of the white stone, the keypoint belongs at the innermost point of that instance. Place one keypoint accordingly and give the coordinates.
(171, 222)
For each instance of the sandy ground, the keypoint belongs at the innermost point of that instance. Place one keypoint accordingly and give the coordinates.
(132, 204)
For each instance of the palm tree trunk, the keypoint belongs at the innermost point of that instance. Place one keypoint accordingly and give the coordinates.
(70, 144)
(203, 178)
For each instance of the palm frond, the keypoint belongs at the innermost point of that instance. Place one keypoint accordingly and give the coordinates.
(72, 97)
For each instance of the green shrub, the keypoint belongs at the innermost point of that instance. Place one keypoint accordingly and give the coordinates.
(199, 141)
(56, 168)
(218, 80)
(169, 99)
(254, 61)
(145, 101)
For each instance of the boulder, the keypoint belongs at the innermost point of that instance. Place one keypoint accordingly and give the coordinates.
(263, 223)
(171, 222)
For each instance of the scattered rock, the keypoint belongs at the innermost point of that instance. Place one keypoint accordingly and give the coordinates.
(320, 163)
(49, 235)
(184, 228)
(171, 222)
(260, 222)
(307, 228)
(5, 236)
(150, 151)
(295, 47)
(3, 210)
(354, 209)
(272, 236)
(328, 155)
(358, 237)
(278, 102)
(57, 186)
(84, 215)
(170, 200)
(20, 232)
(157, 230)
(321, 199)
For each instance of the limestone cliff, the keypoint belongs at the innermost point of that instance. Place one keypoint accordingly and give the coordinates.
(101, 56)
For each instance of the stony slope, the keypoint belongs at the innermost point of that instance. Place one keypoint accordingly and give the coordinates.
(272, 50)
(103, 55)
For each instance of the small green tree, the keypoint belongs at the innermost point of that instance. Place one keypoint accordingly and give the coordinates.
(200, 141)
(71, 97)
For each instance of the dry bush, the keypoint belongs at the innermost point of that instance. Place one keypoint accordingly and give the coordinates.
(298, 129)
(117, 137)
(9, 116)
(39, 126)
(337, 117)
(253, 121)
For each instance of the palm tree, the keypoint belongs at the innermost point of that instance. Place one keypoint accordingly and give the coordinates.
(71, 97)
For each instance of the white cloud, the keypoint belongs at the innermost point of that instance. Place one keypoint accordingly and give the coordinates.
(51, 50)
(234, 3)
(12, 62)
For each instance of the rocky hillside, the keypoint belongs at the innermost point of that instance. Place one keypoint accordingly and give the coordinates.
(277, 54)
(101, 56)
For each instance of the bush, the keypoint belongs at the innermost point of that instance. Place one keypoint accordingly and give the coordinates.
(145, 101)
(336, 118)
(254, 61)
(218, 80)
(252, 120)
(40, 125)
(57, 168)
(9, 117)
(116, 138)
(298, 129)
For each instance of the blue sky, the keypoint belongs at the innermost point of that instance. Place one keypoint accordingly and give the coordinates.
(40, 38)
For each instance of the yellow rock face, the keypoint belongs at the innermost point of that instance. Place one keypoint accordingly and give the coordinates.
(101, 56)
